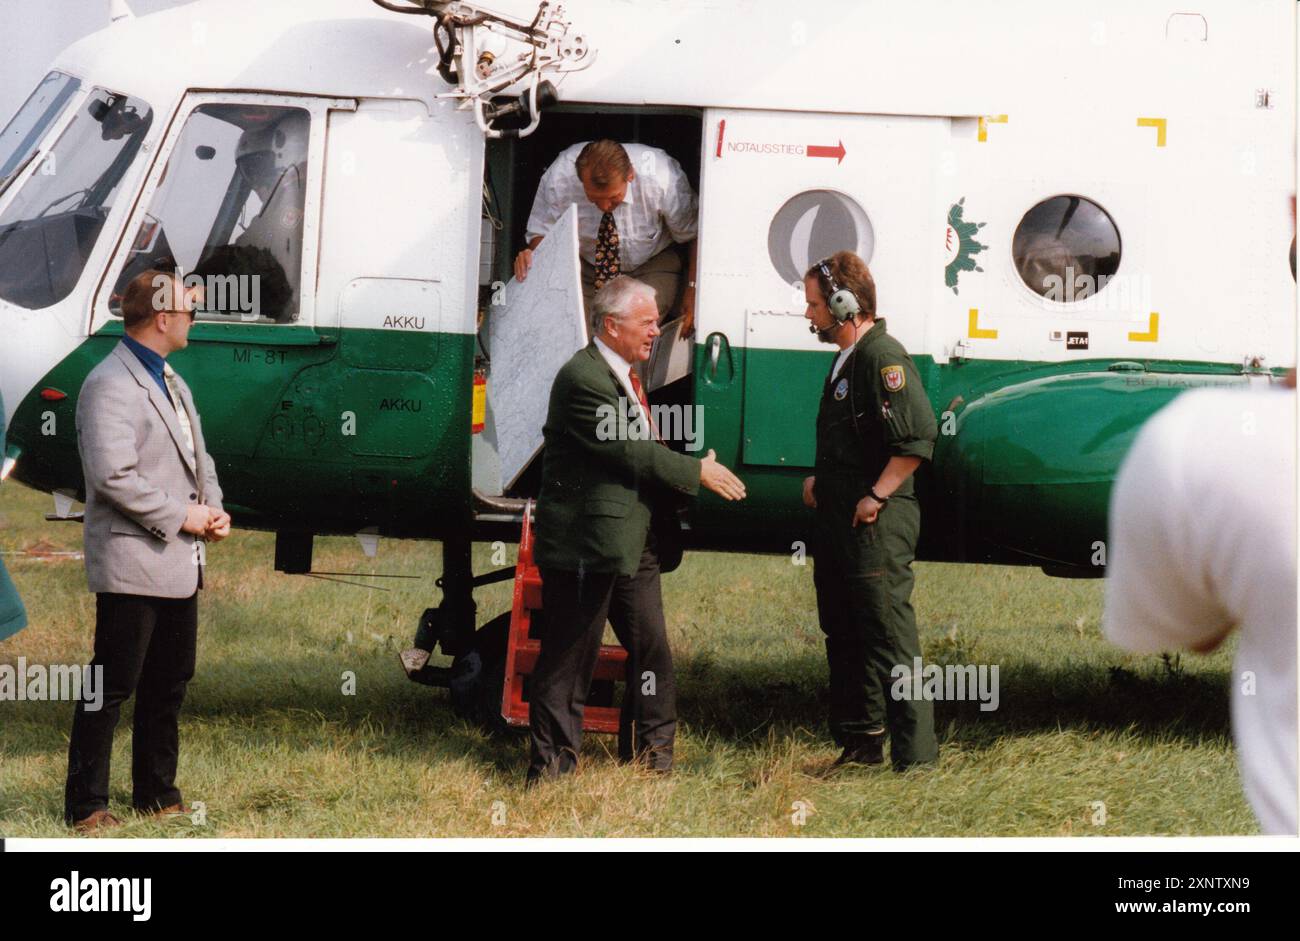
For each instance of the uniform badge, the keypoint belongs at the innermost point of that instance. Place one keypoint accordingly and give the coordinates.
(894, 378)
(841, 390)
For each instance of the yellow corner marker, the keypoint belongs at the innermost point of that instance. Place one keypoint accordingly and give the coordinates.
(975, 332)
(1157, 123)
(1152, 334)
(986, 120)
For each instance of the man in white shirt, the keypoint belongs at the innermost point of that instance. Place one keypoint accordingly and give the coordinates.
(1202, 541)
(634, 205)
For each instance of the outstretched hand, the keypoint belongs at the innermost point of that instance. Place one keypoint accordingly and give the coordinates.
(719, 479)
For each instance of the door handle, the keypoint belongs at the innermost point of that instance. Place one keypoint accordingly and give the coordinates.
(719, 370)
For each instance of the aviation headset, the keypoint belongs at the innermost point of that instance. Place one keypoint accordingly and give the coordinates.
(841, 301)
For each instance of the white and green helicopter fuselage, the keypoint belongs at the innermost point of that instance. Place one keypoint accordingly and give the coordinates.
(1071, 213)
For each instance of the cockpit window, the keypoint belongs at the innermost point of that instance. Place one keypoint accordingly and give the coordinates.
(24, 131)
(229, 210)
(51, 225)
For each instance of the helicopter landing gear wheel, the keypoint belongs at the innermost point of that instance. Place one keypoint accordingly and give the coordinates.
(478, 676)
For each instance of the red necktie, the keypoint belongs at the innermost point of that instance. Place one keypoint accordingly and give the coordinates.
(645, 406)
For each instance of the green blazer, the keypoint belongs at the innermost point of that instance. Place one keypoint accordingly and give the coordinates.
(12, 616)
(598, 496)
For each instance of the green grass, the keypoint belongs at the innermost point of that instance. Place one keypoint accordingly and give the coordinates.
(273, 748)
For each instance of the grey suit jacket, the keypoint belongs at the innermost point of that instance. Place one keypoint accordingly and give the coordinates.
(140, 480)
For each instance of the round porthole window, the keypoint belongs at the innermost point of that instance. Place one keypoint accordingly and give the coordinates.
(813, 226)
(1066, 248)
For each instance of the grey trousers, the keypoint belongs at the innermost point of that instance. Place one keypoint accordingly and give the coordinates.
(663, 272)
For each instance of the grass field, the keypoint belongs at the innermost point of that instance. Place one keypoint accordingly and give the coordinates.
(273, 748)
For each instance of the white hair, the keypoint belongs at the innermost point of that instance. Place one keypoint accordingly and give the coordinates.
(614, 299)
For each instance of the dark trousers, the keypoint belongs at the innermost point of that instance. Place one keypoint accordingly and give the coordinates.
(863, 577)
(576, 608)
(146, 647)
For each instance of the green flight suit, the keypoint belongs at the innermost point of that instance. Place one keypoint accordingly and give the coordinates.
(874, 409)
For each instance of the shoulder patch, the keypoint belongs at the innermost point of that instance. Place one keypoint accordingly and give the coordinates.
(893, 377)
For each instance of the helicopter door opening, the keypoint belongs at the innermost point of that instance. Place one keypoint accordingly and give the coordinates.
(513, 169)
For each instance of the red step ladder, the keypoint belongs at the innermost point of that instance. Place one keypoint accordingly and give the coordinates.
(522, 650)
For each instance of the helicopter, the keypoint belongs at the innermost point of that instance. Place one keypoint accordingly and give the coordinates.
(1071, 218)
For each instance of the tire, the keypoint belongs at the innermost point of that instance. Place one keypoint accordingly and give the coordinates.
(479, 675)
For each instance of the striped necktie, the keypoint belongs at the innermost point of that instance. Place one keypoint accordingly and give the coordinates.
(169, 376)
(645, 406)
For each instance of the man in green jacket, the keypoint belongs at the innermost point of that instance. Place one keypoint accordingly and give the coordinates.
(875, 427)
(12, 616)
(605, 521)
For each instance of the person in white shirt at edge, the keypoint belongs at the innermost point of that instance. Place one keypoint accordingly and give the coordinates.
(1202, 541)
(634, 202)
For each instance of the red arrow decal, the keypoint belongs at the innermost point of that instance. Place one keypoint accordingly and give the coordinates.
(837, 152)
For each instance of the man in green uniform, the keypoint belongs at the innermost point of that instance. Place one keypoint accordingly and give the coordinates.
(874, 428)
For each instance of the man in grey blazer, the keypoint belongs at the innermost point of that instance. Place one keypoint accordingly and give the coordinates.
(152, 503)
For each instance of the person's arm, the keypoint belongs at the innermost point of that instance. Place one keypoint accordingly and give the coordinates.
(580, 408)
(896, 471)
(545, 213)
(910, 428)
(680, 211)
(524, 260)
(688, 289)
(106, 439)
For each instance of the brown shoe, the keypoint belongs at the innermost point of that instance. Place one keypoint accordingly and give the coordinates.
(99, 820)
(170, 812)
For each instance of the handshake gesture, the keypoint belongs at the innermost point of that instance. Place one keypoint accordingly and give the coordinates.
(719, 479)
(206, 523)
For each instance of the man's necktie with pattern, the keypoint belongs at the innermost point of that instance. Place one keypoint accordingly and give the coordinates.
(607, 262)
(182, 416)
(645, 406)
